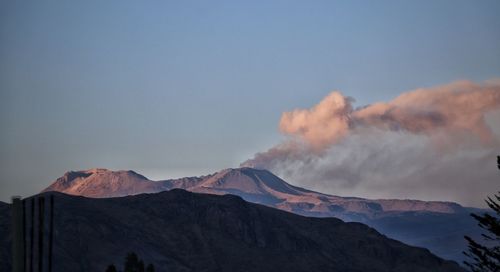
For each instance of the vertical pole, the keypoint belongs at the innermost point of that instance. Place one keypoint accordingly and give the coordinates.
(41, 213)
(51, 231)
(25, 242)
(32, 232)
(17, 235)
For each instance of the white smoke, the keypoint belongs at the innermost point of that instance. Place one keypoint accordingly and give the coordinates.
(430, 143)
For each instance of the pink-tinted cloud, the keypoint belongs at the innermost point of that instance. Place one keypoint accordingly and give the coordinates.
(456, 107)
(431, 127)
(322, 125)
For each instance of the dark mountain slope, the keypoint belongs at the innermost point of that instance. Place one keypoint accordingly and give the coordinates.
(436, 225)
(183, 231)
(442, 233)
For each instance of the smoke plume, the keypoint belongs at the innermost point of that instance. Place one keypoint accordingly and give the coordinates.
(430, 143)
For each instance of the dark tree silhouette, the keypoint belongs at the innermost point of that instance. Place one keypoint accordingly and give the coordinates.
(140, 266)
(150, 268)
(486, 257)
(132, 264)
(111, 268)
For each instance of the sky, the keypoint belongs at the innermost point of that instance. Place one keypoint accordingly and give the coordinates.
(181, 88)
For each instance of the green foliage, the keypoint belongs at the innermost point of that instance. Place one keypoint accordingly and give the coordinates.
(133, 264)
(486, 257)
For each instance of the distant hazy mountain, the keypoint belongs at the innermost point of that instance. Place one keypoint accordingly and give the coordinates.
(259, 186)
(182, 231)
(439, 226)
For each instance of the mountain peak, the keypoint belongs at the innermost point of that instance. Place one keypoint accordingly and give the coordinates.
(263, 187)
(97, 170)
(249, 181)
(254, 185)
(101, 182)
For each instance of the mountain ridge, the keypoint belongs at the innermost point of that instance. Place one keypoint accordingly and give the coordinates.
(247, 181)
(178, 230)
(440, 226)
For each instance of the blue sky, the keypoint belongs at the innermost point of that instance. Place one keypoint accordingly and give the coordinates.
(174, 88)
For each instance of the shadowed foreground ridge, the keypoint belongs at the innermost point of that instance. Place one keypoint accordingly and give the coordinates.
(182, 231)
(436, 225)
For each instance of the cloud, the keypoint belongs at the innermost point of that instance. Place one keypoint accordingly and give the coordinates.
(430, 143)
(321, 126)
(456, 107)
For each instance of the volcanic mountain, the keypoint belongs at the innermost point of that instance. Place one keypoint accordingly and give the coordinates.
(182, 231)
(101, 183)
(439, 226)
(254, 185)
